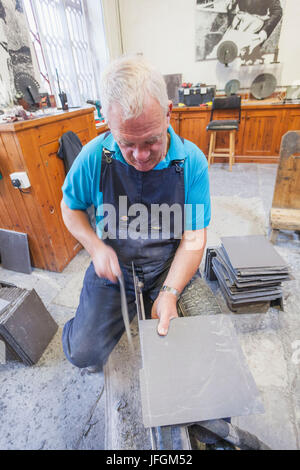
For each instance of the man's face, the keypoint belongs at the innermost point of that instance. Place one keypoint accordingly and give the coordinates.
(142, 140)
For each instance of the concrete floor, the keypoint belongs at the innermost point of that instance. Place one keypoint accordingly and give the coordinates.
(54, 405)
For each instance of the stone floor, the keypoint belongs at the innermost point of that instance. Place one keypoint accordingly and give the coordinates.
(54, 405)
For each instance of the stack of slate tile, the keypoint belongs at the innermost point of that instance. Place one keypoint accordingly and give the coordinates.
(26, 326)
(249, 271)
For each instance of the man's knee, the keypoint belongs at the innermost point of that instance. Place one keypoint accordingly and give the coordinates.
(81, 358)
(80, 353)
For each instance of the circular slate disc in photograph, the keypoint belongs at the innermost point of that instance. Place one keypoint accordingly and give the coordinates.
(263, 86)
(232, 87)
(227, 52)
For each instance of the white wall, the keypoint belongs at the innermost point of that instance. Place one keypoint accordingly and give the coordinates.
(164, 31)
(289, 46)
(111, 16)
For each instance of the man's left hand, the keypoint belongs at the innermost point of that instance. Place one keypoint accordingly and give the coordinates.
(165, 309)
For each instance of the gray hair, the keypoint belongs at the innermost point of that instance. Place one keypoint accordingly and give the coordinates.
(128, 81)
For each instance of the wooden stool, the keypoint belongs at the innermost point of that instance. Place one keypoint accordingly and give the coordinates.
(220, 152)
(228, 125)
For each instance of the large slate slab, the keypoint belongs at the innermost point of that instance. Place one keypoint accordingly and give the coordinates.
(252, 251)
(195, 373)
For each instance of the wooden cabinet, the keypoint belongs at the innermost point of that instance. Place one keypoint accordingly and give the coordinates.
(102, 128)
(32, 146)
(292, 120)
(260, 134)
(258, 138)
(192, 127)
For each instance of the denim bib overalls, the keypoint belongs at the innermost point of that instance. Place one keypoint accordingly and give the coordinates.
(90, 336)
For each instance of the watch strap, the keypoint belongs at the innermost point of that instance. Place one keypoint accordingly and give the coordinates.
(172, 290)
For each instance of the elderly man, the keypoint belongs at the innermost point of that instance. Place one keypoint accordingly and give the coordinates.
(143, 162)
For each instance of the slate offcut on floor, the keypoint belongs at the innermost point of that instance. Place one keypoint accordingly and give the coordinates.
(26, 326)
(249, 271)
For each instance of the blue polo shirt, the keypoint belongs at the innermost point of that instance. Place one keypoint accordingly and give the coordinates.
(81, 186)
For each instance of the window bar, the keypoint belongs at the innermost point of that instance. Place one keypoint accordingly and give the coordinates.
(44, 48)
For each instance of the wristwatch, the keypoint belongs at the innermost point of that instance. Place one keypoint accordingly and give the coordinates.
(172, 290)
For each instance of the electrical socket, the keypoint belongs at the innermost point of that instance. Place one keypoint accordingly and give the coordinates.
(22, 177)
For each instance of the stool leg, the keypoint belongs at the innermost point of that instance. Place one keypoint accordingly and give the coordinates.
(214, 146)
(211, 148)
(231, 149)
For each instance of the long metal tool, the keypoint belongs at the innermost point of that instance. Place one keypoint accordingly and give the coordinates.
(138, 295)
(124, 309)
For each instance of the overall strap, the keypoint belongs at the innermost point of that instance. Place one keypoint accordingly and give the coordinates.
(107, 155)
(178, 165)
(106, 158)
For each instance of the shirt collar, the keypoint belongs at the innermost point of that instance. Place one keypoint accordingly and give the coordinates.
(109, 143)
(176, 149)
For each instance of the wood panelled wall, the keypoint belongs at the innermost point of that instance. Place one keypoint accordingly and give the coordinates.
(32, 146)
(259, 135)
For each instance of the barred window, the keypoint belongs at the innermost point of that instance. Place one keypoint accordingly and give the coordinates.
(60, 38)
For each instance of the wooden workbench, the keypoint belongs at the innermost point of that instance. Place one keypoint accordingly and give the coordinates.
(32, 146)
(258, 139)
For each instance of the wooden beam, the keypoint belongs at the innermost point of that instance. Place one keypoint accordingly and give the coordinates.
(285, 219)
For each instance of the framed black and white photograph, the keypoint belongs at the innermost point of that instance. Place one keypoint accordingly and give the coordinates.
(253, 25)
(15, 54)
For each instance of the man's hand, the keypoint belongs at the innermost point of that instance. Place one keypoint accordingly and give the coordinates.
(106, 262)
(165, 309)
(184, 265)
(104, 258)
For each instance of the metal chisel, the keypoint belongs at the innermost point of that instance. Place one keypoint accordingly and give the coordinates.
(124, 309)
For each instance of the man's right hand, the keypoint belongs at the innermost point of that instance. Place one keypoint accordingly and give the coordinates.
(106, 262)
(104, 258)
